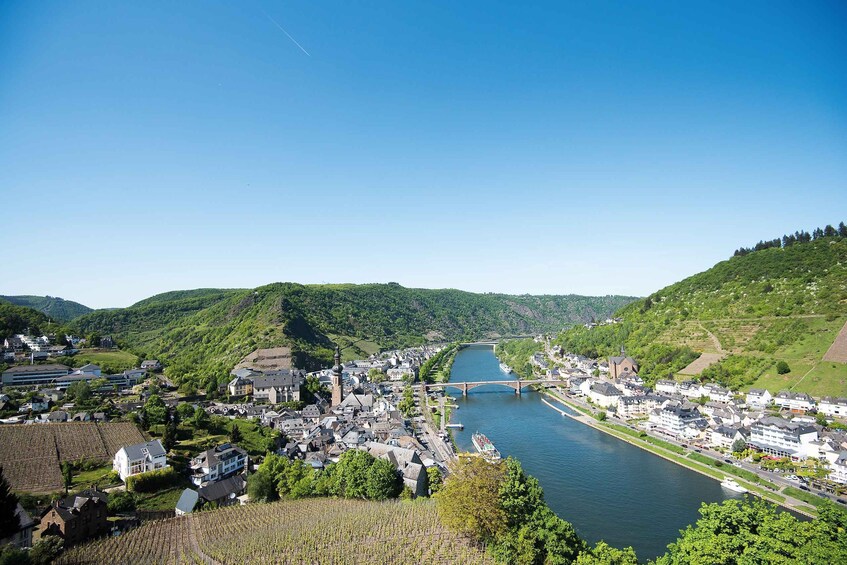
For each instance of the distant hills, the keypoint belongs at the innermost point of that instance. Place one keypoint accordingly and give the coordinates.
(201, 334)
(783, 300)
(58, 309)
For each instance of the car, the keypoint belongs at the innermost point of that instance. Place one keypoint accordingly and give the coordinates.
(684, 445)
(698, 450)
(841, 501)
(804, 487)
(728, 461)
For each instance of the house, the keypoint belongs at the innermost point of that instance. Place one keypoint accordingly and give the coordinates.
(140, 458)
(22, 536)
(407, 462)
(187, 502)
(781, 438)
(106, 342)
(52, 394)
(724, 436)
(758, 398)
(838, 469)
(77, 517)
(636, 406)
(224, 492)
(833, 407)
(33, 374)
(680, 420)
(240, 386)
(57, 416)
(798, 402)
(151, 365)
(717, 393)
(218, 463)
(35, 404)
(278, 386)
(621, 364)
(604, 394)
(89, 369)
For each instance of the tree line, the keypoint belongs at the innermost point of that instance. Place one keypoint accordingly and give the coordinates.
(801, 236)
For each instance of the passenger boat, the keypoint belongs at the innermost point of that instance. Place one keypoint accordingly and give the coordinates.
(505, 368)
(730, 484)
(485, 447)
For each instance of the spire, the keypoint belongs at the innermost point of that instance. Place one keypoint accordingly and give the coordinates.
(337, 356)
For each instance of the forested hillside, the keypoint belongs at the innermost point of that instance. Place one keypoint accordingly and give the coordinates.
(56, 308)
(201, 334)
(756, 309)
(17, 319)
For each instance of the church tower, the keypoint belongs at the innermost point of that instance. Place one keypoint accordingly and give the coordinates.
(337, 392)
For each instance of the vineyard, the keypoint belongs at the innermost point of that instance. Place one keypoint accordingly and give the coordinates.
(31, 455)
(304, 531)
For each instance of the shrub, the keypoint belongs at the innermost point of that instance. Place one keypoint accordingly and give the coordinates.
(782, 368)
(152, 480)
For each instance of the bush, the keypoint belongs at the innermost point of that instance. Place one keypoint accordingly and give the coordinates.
(782, 368)
(121, 502)
(152, 481)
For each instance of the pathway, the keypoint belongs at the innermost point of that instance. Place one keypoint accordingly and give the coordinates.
(696, 367)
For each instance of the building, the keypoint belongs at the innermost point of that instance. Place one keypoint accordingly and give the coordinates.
(22, 537)
(278, 386)
(681, 421)
(151, 365)
(621, 364)
(833, 407)
(33, 374)
(224, 492)
(604, 394)
(781, 438)
(77, 517)
(758, 398)
(407, 462)
(140, 458)
(240, 386)
(724, 436)
(635, 406)
(798, 402)
(337, 387)
(218, 463)
(187, 502)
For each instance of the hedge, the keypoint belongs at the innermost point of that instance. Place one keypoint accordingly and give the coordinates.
(152, 481)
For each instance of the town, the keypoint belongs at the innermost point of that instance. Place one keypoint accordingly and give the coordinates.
(193, 452)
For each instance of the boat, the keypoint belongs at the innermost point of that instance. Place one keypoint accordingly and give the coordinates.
(730, 484)
(485, 447)
(505, 368)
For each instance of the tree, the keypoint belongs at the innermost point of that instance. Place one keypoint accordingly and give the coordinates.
(377, 376)
(9, 522)
(351, 473)
(382, 481)
(312, 386)
(121, 501)
(67, 475)
(739, 445)
(434, 479)
(184, 410)
(169, 438)
(156, 410)
(234, 433)
(200, 419)
(605, 554)
(782, 368)
(821, 420)
(79, 391)
(261, 487)
(46, 550)
(469, 500)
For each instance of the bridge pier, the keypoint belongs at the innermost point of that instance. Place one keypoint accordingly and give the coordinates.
(465, 389)
(518, 389)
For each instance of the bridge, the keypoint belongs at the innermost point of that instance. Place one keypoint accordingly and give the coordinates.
(514, 384)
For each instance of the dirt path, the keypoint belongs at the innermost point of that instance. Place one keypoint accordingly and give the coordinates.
(715, 341)
(838, 350)
(696, 367)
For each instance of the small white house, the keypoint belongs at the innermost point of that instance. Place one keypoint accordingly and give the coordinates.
(832, 407)
(758, 398)
(139, 458)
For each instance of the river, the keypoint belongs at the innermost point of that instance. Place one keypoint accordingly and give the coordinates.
(607, 488)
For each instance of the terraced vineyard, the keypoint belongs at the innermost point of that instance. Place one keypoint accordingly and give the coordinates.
(303, 531)
(31, 455)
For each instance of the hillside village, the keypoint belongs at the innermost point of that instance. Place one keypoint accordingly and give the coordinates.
(308, 418)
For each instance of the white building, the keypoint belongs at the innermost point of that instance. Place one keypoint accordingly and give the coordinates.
(781, 438)
(794, 401)
(604, 394)
(833, 407)
(139, 458)
(758, 398)
(219, 463)
(664, 386)
(681, 421)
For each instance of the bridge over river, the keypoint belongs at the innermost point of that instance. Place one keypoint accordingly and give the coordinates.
(515, 384)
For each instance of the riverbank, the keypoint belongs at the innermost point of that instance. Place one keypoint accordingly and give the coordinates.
(581, 416)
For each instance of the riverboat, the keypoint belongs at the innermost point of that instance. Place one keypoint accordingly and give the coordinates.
(485, 447)
(730, 484)
(505, 368)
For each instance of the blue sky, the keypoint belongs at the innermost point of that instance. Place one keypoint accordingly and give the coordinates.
(585, 147)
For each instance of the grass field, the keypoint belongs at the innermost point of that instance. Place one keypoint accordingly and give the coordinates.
(303, 531)
(116, 359)
(354, 348)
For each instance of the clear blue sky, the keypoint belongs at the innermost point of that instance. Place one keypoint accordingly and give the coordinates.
(584, 147)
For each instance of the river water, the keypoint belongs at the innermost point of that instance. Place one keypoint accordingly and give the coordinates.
(607, 488)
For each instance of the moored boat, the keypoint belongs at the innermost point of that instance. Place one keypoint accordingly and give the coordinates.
(730, 484)
(505, 368)
(485, 447)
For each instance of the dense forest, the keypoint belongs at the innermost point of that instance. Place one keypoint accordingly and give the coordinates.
(56, 308)
(201, 334)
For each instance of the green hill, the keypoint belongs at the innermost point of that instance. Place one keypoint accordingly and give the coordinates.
(56, 308)
(202, 334)
(17, 319)
(756, 309)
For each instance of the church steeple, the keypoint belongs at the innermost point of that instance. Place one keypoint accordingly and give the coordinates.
(337, 391)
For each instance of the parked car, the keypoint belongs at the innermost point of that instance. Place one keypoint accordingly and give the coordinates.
(728, 461)
(841, 501)
(804, 487)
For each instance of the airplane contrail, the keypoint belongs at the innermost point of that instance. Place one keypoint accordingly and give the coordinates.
(285, 32)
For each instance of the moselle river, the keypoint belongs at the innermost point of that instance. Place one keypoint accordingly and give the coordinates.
(607, 488)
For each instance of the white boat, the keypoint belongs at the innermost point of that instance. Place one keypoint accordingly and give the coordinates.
(730, 484)
(505, 368)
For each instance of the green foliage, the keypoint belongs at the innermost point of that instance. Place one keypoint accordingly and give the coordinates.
(755, 532)
(383, 481)
(79, 391)
(152, 481)
(184, 411)
(17, 319)
(11, 555)
(120, 502)
(469, 500)
(517, 353)
(605, 554)
(312, 387)
(407, 403)
(736, 371)
(56, 308)
(782, 368)
(376, 376)
(155, 410)
(739, 445)
(429, 367)
(200, 419)
(8, 506)
(434, 478)
(601, 416)
(46, 550)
